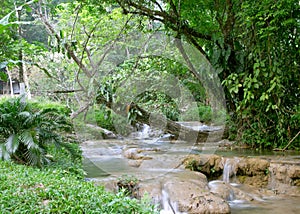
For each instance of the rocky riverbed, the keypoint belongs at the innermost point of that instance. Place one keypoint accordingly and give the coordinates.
(183, 182)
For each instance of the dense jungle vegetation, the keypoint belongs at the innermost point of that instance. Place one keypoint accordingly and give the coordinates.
(63, 50)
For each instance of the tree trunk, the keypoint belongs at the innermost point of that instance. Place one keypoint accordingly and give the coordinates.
(179, 131)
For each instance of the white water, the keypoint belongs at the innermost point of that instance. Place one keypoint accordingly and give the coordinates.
(168, 206)
(145, 132)
(229, 169)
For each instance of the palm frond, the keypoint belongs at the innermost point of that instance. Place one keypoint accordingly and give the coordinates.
(29, 132)
(35, 157)
(12, 143)
(27, 138)
(4, 155)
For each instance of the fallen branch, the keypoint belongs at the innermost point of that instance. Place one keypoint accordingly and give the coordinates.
(288, 143)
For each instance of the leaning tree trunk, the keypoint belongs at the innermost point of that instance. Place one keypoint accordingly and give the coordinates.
(179, 131)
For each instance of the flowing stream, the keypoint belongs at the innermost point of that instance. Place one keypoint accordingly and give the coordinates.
(150, 156)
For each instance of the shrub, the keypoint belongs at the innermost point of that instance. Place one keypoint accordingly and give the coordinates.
(200, 113)
(104, 119)
(26, 132)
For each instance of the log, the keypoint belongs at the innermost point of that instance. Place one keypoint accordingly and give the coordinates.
(179, 131)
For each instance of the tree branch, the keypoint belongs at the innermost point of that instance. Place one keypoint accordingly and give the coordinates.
(72, 54)
(164, 18)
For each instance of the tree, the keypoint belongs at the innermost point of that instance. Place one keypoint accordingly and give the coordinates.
(254, 46)
(14, 49)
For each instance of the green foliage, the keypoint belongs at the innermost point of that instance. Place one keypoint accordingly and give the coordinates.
(255, 47)
(3, 76)
(253, 44)
(129, 184)
(26, 132)
(11, 41)
(201, 112)
(104, 119)
(161, 75)
(46, 105)
(193, 165)
(27, 189)
(266, 91)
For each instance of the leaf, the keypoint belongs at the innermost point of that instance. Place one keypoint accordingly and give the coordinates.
(3, 64)
(3, 76)
(12, 143)
(28, 140)
(20, 23)
(4, 155)
(61, 33)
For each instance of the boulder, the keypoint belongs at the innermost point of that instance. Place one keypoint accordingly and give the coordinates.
(136, 154)
(209, 164)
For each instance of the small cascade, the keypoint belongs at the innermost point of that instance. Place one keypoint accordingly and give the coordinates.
(230, 168)
(168, 207)
(144, 132)
(272, 184)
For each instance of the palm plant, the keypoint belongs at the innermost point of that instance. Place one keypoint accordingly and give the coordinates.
(26, 133)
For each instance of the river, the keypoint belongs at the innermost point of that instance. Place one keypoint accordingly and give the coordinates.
(158, 158)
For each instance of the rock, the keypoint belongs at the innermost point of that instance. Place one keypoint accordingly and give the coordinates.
(253, 166)
(226, 143)
(285, 173)
(208, 203)
(106, 134)
(222, 189)
(294, 172)
(209, 164)
(136, 154)
(256, 180)
(135, 163)
(165, 161)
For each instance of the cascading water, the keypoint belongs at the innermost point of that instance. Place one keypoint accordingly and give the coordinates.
(229, 169)
(168, 206)
(144, 133)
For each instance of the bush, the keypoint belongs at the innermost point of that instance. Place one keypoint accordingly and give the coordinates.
(104, 119)
(200, 113)
(32, 190)
(27, 129)
(49, 105)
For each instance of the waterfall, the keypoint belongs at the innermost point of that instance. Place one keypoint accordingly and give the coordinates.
(168, 207)
(144, 132)
(229, 169)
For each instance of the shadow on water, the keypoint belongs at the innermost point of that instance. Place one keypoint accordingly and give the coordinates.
(288, 205)
(93, 171)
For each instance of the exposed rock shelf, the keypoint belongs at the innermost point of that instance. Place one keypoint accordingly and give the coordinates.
(163, 168)
(281, 175)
